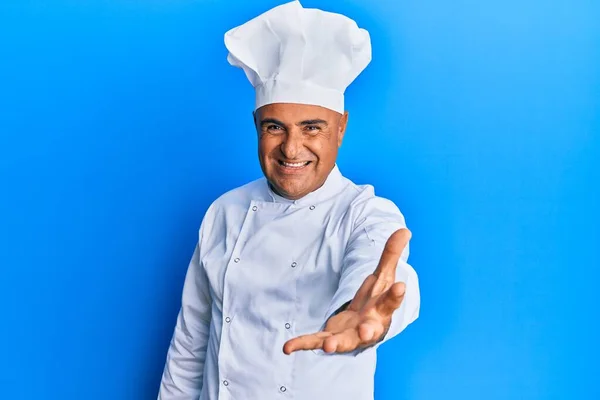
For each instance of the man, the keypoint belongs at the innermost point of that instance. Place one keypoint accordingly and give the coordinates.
(292, 287)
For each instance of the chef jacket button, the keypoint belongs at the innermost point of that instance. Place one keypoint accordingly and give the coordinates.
(228, 320)
(294, 264)
(282, 389)
(225, 383)
(237, 260)
(287, 326)
(312, 207)
(254, 208)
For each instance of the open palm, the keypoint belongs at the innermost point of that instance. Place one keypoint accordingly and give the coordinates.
(368, 317)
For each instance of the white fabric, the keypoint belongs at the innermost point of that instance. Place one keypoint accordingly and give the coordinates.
(267, 269)
(293, 54)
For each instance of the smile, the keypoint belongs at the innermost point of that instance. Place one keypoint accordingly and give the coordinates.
(297, 165)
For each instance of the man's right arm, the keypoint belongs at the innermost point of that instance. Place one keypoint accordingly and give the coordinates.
(184, 369)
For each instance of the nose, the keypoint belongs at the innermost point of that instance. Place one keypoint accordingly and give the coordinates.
(291, 147)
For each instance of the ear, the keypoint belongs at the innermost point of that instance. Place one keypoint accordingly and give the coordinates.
(342, 127)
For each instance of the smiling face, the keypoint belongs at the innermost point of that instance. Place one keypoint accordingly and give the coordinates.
(298, 146)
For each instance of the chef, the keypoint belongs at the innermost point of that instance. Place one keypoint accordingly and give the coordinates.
(298, 277)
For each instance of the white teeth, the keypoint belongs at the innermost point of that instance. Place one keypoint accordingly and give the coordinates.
(294, 165)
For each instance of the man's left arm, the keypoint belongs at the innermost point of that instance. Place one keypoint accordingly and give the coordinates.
(377, 221)
(378, 292)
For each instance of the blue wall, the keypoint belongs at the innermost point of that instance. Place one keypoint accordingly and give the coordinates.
(120, 121)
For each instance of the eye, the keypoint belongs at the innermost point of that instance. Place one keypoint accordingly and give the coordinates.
(274, 128)
(312, 128)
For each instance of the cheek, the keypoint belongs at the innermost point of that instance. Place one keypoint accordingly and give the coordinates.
(316, 147)
(266, 146)
(323, 149)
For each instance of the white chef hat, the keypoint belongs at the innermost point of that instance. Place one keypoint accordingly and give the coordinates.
(293, 54)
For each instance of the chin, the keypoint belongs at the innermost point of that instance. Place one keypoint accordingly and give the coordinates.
(292, 192)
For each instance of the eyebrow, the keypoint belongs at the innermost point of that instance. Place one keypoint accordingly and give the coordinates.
(271, 121)
(302, 123)
(313, 122)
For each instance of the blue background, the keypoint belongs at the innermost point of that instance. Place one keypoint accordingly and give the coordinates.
(120, 122)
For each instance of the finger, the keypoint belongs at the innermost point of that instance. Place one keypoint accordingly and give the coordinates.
(306, 342)
(383, 283)
(366, 332)
(370, 331)
(342, 342)
(391, 300)
(363, 294)
(392, 251)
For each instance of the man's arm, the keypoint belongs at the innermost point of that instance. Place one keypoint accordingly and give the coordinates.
(377, 221)
(383, 296)
(184, 369)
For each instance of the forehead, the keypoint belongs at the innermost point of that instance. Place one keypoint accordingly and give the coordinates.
(292, 112)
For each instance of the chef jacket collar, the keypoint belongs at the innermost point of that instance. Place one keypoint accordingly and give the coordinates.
(333, 185)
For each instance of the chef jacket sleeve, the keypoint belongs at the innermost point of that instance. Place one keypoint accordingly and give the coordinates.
(183, 372)
(375, 220)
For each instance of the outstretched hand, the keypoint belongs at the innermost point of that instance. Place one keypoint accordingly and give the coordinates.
(368, 317)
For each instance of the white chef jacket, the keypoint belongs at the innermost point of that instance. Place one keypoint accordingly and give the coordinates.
(267, 269)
